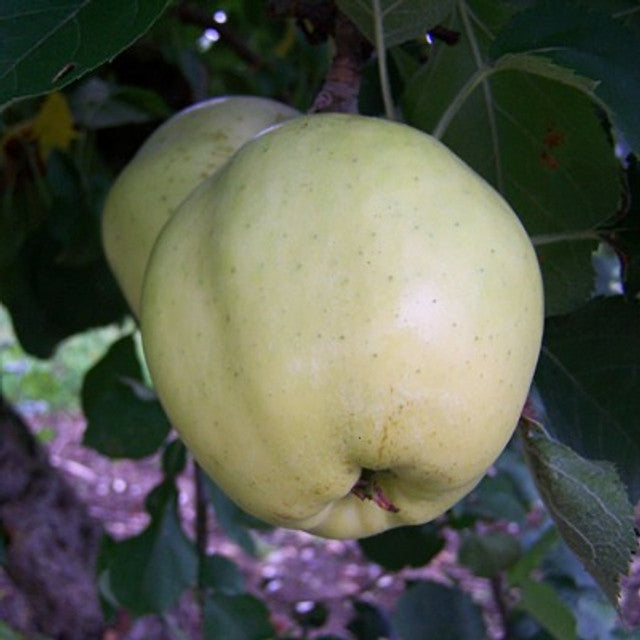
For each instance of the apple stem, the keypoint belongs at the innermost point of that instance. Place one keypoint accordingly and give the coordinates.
(366, 488)
(341, 87)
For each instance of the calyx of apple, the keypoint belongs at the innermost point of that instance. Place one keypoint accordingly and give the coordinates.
(183, 151)
(344, 300)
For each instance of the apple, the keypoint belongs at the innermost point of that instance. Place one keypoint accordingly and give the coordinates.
(343, 324)
(183, 151)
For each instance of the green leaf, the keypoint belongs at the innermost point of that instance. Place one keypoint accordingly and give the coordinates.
(6, 633)
(507, 495)
(540, 142)
(148, 573)
(369, 622)
(625, 232)
(236, 617)
(97, 104)
(221, 575)
(125, 419)
(54, 279)
(567, 271)
(46, 45)
(532, 558)
(538, 66)
(403, 547)
(428, 610)
(588, 376)
(402, 20)
(234, 521)
(544, 605)
(174, 458)
(592, 43)
(495, 498)
(588, 504)
(490, 553)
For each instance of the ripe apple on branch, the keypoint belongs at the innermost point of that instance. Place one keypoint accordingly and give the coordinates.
(342, 319)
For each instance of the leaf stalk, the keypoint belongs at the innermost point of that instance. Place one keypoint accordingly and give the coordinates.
(383, 71)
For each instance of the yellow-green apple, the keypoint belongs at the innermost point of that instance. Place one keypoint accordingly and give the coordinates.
(183, 151)
(344, 311)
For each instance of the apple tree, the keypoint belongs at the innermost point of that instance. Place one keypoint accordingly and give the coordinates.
(539, 98)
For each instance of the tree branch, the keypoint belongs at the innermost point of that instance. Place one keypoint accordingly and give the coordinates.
(51, 540)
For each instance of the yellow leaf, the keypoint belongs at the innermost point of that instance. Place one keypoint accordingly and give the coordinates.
(53, 126)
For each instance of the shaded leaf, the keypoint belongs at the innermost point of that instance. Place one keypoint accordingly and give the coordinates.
(540, 142)
(125, 419)
(42, 297)
(490, 553)
(539, 66)
(235, 522)
(428, 610)
(45, 46)
(236, 617)
(402, 20)
(624, 234)
(97, 105)
(370, 622)
(54, 280)
(149, 572)
(567, 272)
(6, 633)
(506, 495)
(588, 376)
(221, 574)
(544, 605)
(590, 42)
(495, 498)
(588, 503)
(411, 546)
(174, 458)
(532, 558)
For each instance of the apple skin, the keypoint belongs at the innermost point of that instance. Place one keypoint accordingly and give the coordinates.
(345, 294)
(188, 147)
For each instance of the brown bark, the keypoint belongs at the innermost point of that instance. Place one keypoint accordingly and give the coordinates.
(51, 542)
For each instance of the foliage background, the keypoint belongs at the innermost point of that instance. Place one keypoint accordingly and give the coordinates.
(541, 98)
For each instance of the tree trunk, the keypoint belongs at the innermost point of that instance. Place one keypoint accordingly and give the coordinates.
(51, 542)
